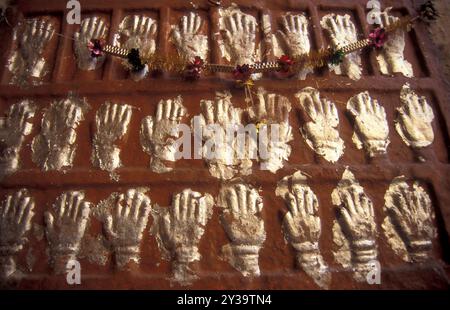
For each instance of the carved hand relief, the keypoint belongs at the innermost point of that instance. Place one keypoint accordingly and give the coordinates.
(226, 156)
(188, 39)
(371, 126)
(239, 36)
(342, 31)
(54, 148)
(111, 121)
(355, 231)
(414, 120)
(125, 218)
(13, 129)
(409, 224)
(31, 38)
(244, 226)
(16, 212)
(302, 227)
(321, 132)
(271, 115)
(293, 39)
(179, 229)
(91, 28)
(159, 133)
(138, 31)
(391, 59)
(65, 227)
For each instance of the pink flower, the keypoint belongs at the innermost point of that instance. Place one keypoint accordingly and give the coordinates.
(378, 37)
(96, 47)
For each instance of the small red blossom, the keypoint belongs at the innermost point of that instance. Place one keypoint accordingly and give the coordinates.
(193, 69)
(242, 72)
(378, 37)
(96, 47)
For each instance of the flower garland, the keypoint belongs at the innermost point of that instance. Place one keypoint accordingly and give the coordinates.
(285, 65)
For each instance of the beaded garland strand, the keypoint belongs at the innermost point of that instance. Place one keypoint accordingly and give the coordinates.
(192, 70)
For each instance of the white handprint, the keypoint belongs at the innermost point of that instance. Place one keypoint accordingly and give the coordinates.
(225, 153)
(302, 229)
(295, 38)
(271, 112)
(179, 230)
(32, 36)
(16, 213)
(13, 129)
(239, 35)
(187, 38)
(356, 224)
(124, 224)
(138, 31)
(409, 225)
(321, 132)
(391, 59)
(414, 120)
(91, 28)
(158, 134)
(371, 126)
(54, 148)
(242, 222)
(343, 32)
(65, 228)
(111, 122)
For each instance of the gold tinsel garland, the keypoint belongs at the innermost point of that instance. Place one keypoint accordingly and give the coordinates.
(178, 65)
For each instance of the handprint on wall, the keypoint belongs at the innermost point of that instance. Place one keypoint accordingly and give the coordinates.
(91, 28)
(354, 231)
(342, 32)
(391, 59)
(321, 133)
(55, 146)
(371, 126)
(65, 227)
(111, 124)
(244, 226)
(238, 32)
(302, 226)
(293, 38)
(414, 120)
(188, 39)
(180, 228)
(138, 32)
(32, 37)
(160, 132)
(409, 224)
(16, 212)
(271, 115)
(13, 129)
(125, 218)
(226, 155)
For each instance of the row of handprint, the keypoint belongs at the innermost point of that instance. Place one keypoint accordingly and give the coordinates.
(236, 39)
(55, 146)
(408, 226)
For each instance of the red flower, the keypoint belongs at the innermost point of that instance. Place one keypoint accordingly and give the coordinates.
(242, 73)
(193, 70)
(285, 63)
(96, 47)
(378, 37)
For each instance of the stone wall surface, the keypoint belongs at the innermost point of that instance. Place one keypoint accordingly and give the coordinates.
(87, 175)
